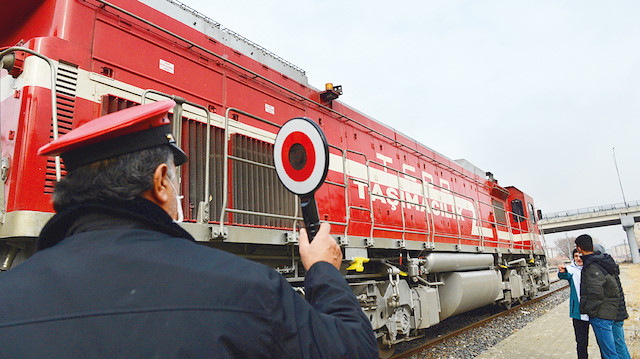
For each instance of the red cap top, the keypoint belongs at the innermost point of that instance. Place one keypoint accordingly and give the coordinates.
(115, 134)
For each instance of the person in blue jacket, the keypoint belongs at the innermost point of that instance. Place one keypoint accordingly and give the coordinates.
(116, 277)
(573, 273)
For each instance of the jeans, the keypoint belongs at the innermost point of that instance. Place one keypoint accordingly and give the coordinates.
(618, 336)
(581, 328)
(603, 330)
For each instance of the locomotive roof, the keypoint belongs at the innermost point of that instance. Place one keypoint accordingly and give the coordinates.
(471, 167)
(216, 31)
(460, 162)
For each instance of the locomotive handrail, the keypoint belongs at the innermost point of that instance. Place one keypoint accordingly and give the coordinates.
(346, 190)
(430, 208)
(399, 199)
(495, 222)
(347, 197)
(225, 179)
(430, 233)
(54, 102)
(455, 213)
(455, 210)
(509, 228)
(478, 222)
(355, 179)
(302, 97)
(203, 209)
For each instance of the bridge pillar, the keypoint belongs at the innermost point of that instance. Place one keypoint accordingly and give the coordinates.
(628, 225)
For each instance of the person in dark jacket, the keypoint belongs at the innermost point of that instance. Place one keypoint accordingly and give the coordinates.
(600, 294)
(573, 274)
(618, 330)
(116, 277)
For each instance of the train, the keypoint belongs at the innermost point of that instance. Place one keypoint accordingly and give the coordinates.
(424, 237)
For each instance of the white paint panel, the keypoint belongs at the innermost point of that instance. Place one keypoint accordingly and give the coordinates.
(269, 109)
(36, 73)
(167, 66)
(8, 86)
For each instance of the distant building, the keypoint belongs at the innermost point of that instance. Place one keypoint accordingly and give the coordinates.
(553, 252)
(620, 252)
(555, 256)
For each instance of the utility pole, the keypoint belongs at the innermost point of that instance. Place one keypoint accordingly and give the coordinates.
(618, 172)
(627, 221)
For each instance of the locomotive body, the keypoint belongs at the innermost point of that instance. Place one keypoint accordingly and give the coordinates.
(427, 237)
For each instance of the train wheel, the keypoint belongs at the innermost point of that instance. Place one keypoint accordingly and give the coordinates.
(384, 351)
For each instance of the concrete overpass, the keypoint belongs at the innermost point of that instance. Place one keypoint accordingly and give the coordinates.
(626, 214)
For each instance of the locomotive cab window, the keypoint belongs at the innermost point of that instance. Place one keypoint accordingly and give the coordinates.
(517, 210)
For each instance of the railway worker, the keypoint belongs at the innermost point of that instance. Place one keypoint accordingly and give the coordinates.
(602, 299)
(572, 273)
(116, 277)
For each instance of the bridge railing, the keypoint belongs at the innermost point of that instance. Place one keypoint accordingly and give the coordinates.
(595, 209)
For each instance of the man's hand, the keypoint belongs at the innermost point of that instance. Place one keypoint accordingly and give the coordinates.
(323, 248)
(562, 268)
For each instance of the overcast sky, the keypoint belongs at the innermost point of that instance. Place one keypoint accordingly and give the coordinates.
(537, 92)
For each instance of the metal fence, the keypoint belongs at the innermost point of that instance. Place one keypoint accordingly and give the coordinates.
(595, 209)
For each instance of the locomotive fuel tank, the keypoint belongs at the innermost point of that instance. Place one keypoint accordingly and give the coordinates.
(465, 291)
(451, 262)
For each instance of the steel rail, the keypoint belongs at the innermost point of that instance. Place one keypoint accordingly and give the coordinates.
(472, 326)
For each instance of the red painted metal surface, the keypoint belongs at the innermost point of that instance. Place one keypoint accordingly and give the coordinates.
(107, 45)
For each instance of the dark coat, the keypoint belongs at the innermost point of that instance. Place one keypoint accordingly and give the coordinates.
(622, 306)
(128, 282)
(599, 290)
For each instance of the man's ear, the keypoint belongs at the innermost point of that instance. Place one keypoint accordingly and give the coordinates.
(159, 193)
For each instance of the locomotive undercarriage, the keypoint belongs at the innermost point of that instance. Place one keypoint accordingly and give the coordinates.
(405, 292)
(424, 291)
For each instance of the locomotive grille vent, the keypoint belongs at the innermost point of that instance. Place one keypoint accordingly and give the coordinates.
(66, 83)
(112, 104)
(257, 188)
(194, 141)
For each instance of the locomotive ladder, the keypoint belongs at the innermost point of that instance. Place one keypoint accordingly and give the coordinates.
(345, 239)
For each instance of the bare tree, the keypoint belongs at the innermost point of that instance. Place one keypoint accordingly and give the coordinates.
(566, 246)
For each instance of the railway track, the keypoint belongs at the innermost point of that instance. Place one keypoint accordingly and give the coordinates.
(432, 343)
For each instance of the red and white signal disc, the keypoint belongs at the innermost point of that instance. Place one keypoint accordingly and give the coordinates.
(301, 156)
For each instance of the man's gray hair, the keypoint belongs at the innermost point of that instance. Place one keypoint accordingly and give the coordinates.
(115, 179)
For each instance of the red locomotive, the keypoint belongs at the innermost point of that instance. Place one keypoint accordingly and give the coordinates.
(428, 237)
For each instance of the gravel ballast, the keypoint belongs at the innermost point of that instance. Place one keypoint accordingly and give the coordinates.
(475, 341)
